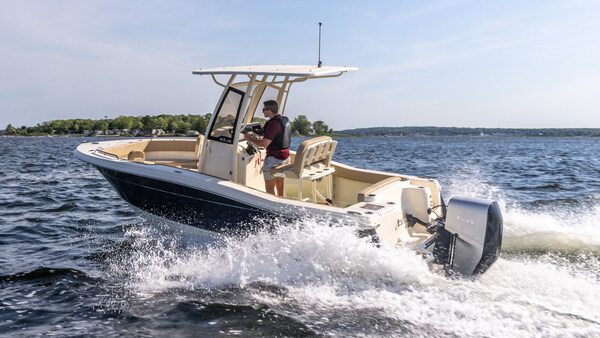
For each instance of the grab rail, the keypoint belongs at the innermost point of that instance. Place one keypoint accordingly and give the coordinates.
(107, 153)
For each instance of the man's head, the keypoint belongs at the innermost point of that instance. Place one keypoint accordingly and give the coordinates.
(270, 108)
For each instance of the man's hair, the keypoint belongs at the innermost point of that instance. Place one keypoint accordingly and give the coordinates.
(272, 106)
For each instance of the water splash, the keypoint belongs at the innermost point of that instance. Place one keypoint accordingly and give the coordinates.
(308, 252)
(563, 231)
(471, 180)
(555, 227)
(326, 277)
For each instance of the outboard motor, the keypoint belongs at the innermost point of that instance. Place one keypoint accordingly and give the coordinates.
(469, 242)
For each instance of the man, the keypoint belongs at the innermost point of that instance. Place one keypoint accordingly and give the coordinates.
(277, 138)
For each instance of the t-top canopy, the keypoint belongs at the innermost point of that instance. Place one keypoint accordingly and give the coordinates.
(279, 70)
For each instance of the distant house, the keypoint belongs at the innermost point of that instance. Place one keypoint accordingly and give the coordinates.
(99, 132)
(113, 132)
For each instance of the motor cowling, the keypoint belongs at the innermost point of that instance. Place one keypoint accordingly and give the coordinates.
(470, 241)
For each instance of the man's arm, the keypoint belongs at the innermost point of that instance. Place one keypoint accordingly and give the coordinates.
(263, 143)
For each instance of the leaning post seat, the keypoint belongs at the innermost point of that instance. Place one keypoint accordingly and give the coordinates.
(312, 162)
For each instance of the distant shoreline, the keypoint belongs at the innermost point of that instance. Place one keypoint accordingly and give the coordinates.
(193, 124)
(470, 132)
(308, 136)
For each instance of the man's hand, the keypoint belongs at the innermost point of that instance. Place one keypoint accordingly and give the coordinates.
(263, 143)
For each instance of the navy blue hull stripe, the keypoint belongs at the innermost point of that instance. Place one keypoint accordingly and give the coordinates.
(184, 204)
(196, 198)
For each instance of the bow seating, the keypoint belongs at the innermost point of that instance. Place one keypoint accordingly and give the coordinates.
(182, 153)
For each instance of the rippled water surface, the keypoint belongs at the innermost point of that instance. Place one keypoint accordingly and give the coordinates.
(76, 260)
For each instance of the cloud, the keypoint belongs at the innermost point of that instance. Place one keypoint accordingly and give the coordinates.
(66, 59)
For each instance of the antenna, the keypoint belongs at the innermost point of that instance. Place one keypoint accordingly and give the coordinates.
(320, 63)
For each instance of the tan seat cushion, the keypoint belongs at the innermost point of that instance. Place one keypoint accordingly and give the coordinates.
(136, 156)
(281, 169)
(373, 188)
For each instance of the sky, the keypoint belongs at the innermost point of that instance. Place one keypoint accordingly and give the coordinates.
(494, 64)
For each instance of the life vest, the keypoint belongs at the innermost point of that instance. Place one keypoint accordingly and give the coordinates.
(281, 140)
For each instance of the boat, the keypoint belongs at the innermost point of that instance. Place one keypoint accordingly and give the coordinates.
(214, 181)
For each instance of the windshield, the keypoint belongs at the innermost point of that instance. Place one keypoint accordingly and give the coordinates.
(224, 124)
(269, 93)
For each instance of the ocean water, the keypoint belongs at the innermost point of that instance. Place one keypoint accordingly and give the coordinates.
(75, 260)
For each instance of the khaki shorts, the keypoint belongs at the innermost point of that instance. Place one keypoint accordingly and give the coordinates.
(271, 162)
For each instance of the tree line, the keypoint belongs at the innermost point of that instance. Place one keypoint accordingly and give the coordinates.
(454, 131)
(135, 125)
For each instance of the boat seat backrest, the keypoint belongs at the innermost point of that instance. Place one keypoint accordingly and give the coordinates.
(123, 150)
(171, 145)
(312, 151)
